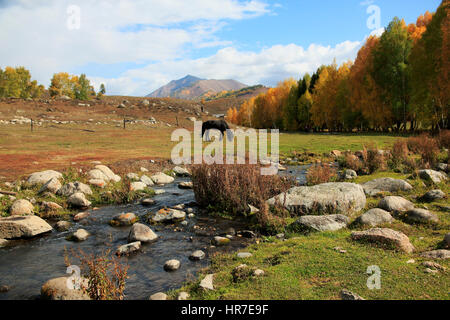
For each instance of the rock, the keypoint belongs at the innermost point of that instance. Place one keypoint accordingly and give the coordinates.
(420, 216)
(79, 235)
(51, 207)
(434, 265)
(376, 186)
(52, 185)
(197, 255)
(63, 226)
(22, 227)
(158, 296)
(147, 180)
(108, 173)
(374, 217)
(78, 200)
(172, 265)
(181, 172)
(3, 243)
(244, 255)
(323, 198)
(124, 219)
(140, 232)
(428, 270)
(162, 178)
(148, 202)
(385, 236)
(168, 215)
(21, 207)
(128, 248)
(186, 185)
(137, 186)
(220, 241)
(207, 282)
(42, 177)
(144, 169)
(436, 254)
(183, 296)
(73, 187)
(336, 153)
(348, 295)
(4, 289)
(241, 272)
(252, 209)
(132, 176)
(96, 174)
(447, 240)
(58, 289)
(432, 176)
(258, 273)
(81, 216)
(248, 234)
(159, 191)
(348, 174)
(394, 203)
(442, 167)
(97, 182)
(332, 222)
(433, 195)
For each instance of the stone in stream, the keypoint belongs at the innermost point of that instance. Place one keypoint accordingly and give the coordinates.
(374, 217)
(186, 185)
(149, 182)
(22, 227)
(73, 187)
(162, 178)
(148, 202)
(394, 203)
(197, 255)
(4, 288)
(220, 241)
(140, 232)
(181, 172)
(21, 207)
(332, 222)
(123, 219)
(49, 207)
(128, 248)
(166, 215)
(62, 226)
(172, 265)
(417, 215)
(158, 296)
(207, 282)
(432, 176)
(79, 235)
(433, 195)
(330, 197)
(3, 243)
(436, 254)
(373, 187)
(63, 289)
(42, 177)
(81, 216)
(137, 186)
(385, 236)
(78, 200)
(52, 185)
(348, 295)
(183, 296)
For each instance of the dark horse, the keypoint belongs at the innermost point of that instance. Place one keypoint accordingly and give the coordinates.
(220, 125)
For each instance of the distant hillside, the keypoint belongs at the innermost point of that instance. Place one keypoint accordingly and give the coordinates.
(193, 88)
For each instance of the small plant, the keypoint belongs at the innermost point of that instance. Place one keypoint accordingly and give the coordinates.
(320, 173)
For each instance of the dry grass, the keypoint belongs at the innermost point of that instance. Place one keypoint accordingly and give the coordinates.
(320, 173)
(426, 147)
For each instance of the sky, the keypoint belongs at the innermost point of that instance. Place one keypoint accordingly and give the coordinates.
(136, 46)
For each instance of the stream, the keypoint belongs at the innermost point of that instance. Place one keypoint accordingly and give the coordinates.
(27, 264)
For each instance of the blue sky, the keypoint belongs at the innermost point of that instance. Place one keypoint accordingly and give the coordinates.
(136, 46)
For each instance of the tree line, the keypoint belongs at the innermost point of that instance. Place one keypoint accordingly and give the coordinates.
(17, 83)
(398, 81)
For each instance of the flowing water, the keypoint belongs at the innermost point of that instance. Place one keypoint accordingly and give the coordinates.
(28, 264)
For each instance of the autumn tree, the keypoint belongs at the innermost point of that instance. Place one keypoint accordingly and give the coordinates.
(16, 82)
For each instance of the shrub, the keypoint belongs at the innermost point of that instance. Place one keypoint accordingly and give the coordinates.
(426, 147)
(373, 160)
(350, 161)
(320, 173)
(444, 139)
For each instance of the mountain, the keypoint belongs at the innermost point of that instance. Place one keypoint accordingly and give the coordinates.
(192, 88)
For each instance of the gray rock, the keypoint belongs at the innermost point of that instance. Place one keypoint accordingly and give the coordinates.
(181, 172)
(42, 177)
(348, 174)
(52, 185)
(244, 255)
(81, 216)
(417, 215)
(63, 226)
(332, 222)
(433, 195)
(442, 167)
(207, 282)
(132, 176)
(147, 180)
(183, 296)
(258, 273)
(394, 203)
(436, 254)
(162, 178)
(385, 236)
(220, 241)
(79, 235)
(168, 215)
(142, 233)
(58, 289)
(432, 176)
(373, 187)
(172, 265)
(186, 185)
(348, 295)
(108, 173)
(197, 255)
(124, 219)
(128, 248)
(50, 207)
(78, 200)
(148, 202)
(323, 198)
(374, 217)
(138, 186)
(21, 207)
(22, 227)
(3, 243)
(158, 296)
(73, 187)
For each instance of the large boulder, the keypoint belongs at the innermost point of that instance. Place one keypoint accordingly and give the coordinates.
(22, 227)
(433, 195)
(436, 254)
(52, 185)
(432, 176)
(394, 203)
(331, 197)
(162, 178)
(42, 177)
(141, 232)
(149, 182)
(422, 216)
(373, 187)
(21, 207)
(78, 200)
(62, 289)
(385, 236)
(73, 187)
(108, 172)
(320, 223)
(374, 217)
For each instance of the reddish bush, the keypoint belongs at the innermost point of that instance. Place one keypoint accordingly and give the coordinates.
(426, 147)
(400, 151)
(320, 173)
(444, 139)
